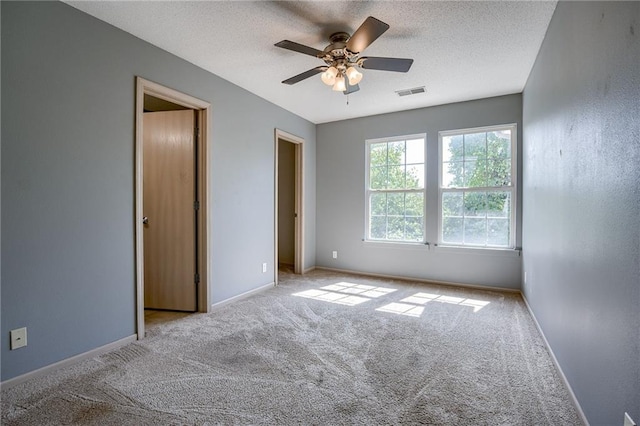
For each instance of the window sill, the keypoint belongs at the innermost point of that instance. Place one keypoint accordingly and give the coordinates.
(396, 245)
(483, 251)
(492, 251)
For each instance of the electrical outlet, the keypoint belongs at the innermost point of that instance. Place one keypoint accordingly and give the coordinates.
(628, 421)
(264, 267)
(335, 254)
(18, 338)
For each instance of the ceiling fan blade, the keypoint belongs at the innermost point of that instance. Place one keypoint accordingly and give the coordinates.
(386, 64)
(366, 34)
(350, 88)
(297, 47)
(310, 73)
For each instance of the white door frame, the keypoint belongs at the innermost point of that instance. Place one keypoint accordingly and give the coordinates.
(299, 202)
(203, 110)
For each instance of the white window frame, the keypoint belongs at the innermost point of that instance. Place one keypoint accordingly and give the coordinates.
(512, 188)
(369, 191)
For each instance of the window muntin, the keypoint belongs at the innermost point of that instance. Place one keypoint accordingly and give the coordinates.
(477, 187)
(396, 189)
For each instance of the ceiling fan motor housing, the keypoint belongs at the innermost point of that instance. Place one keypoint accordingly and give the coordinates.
(336, 54)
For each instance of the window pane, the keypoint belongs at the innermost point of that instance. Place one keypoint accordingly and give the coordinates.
(475, 231)
(378, 204)
(475, 174)
(413, 229)
(498, 232)
(415, 176)
(378, 154)
(395, 204)
(415, 151)
(378, 227)
(475, 204)
(499, 144)
(395, 179)
(452, 148)
(499, 172)
(395, 227)
(396, 152)
(499, 204)
(452, 174)
(452, 204)
(452, 230)
(414, 204)
(475, 146)
(378, 177)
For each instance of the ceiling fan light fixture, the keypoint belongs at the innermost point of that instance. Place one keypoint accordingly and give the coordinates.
(343, 58)
(354, 76)
(329, 76)
(340, 85)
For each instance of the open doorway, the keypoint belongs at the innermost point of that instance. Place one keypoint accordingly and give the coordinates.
(289, 204)
(171, 201)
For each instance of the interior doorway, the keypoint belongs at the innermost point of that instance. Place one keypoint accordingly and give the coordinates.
(172, 237)
(289, 203)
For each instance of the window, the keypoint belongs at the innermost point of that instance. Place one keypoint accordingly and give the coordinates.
(395, 189)
(477, 187)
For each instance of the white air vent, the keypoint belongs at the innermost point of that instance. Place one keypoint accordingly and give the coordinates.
(413, 91)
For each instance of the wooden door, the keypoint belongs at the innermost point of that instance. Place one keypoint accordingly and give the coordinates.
(169, 192)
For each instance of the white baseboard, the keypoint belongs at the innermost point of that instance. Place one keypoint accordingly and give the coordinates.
(67, 362)
(557, 364)
(422, 280)
(241, 296)
(306, 271)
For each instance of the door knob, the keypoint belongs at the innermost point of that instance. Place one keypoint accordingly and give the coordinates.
(145, 220)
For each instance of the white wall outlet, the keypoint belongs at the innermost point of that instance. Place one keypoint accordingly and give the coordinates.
(335, 254)
(264, 267)
(525, 277)
(628, 421)
(18, 338)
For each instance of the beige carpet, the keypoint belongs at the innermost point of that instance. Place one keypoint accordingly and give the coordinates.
(322, 349)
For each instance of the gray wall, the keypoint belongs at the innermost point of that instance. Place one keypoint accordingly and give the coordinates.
(68, 179)
(286, 201)
(341, 197)
(581, 240)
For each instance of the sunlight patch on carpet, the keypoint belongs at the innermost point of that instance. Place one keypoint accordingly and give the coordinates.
(402, 309)
(350, 294)
(344, 293)
(413, 306)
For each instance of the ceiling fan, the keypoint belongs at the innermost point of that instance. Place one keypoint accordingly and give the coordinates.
(342, 57)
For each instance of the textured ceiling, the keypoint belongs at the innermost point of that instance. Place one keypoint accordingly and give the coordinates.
(462, 50)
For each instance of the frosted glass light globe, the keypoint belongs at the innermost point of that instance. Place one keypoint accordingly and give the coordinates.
(329, 76)
(354, 76)
(340, 85)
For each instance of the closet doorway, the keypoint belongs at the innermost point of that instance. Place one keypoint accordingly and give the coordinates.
(171, 203)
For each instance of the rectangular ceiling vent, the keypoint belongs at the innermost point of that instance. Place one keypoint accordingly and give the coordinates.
(413, 91)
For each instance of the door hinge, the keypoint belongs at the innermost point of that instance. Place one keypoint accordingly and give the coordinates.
(196, 205)
(196, 278)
